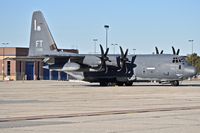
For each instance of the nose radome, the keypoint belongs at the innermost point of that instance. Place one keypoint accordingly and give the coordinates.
(191, 71)
(195, 70)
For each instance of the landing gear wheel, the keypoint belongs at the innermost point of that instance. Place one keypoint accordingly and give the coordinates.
(120, 83)
(129, 83)
(103, 84)
(175, 83)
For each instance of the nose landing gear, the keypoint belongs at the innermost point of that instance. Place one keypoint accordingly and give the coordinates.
(175, 83)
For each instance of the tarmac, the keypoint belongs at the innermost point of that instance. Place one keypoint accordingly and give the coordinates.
(80, 107)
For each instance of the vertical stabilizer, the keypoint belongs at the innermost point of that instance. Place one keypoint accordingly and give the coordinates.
(41, 40)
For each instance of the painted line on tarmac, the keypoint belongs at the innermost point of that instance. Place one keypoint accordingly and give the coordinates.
(115, 112)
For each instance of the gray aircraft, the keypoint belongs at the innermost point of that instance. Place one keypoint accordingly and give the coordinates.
(121, 69)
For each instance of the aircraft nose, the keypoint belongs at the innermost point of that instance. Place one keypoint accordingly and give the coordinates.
(191, 71)
(195, 70)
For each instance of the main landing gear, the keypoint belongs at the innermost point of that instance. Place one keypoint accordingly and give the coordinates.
(175, 83)
(103, 83)
(128, 83)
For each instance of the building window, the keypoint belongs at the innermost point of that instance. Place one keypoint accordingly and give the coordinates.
(8, 68)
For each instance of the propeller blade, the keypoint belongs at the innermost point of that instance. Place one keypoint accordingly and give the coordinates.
(133, 59)
(118, 61)
(178, 51)
(122, 52)
(106, 52)
(157, 52)
(126, 53)
(102, 51)
(161, 52)
(174, 52)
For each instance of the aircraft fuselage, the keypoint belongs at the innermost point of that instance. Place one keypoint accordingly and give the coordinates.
(161, 68)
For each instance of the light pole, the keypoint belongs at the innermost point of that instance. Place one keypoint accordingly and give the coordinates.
(4, 44)
(95, 42)
(106, 27)
(134, 51)
(192, 49)
(115, 44)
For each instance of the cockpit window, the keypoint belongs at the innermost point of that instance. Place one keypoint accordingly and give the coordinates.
(179, 60)
(176, 60)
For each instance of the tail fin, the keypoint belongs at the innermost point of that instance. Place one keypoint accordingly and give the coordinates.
(41, 40)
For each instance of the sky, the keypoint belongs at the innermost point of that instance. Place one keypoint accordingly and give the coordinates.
(134, 24)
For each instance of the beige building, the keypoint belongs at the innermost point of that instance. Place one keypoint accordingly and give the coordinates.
(23, 68)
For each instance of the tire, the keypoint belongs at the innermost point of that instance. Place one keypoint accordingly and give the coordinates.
(120, 83)
(103, 84)
(129, 83)
(175, 83)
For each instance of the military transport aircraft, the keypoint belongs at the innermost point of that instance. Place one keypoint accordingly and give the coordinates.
(120, 69)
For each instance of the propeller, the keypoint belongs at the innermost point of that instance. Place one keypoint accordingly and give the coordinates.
(175, 52)
(124, 55)
(124, 63)
(104, 57)
(122, 59)
(157, 51)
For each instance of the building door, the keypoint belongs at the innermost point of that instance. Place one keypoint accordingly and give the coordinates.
(63, 76)
(46, 74)
(30, 70)
(54, 75)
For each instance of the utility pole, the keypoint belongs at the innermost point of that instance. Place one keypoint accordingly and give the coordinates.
(134, 51)
(95, 43)
(106, 27)
(192, 50)
(114, 47)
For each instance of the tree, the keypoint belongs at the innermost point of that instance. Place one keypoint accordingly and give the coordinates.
(194, 59)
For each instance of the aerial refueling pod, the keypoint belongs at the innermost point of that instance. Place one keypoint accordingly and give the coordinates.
(71, 66)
